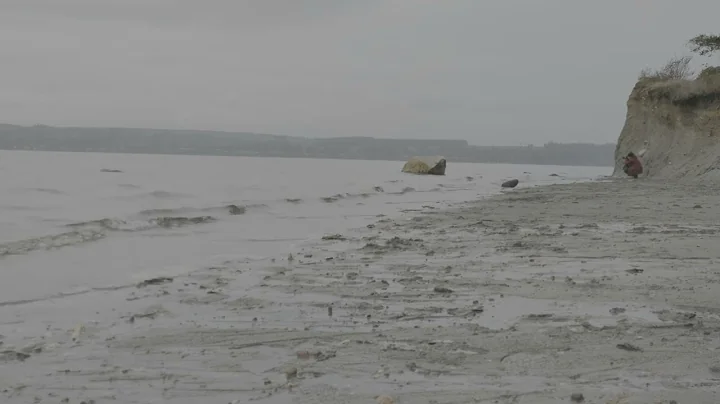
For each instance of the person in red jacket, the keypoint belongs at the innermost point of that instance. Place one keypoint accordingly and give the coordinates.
(633, 167)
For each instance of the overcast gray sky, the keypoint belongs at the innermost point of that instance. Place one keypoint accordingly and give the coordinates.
(490, 71)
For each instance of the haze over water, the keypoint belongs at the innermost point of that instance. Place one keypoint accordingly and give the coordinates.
(68, 226)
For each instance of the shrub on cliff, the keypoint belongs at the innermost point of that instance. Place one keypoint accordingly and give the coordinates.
(710, 74)
(705, 45)
(677, 68)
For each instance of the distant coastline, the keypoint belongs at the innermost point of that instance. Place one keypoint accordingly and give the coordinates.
(214, 143)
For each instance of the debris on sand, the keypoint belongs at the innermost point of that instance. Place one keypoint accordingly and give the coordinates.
(533, 316)
(338, 237)
(77, 331)
(317, 355)
(635, 271)
(110, 170)
(442, 289)
(151, 312)
(577, 398)
(33, 348)
(155, 281)
(510, 184)
(617, 310)
(331, 199)
(628, 347)
(12, 356)
(675, 316)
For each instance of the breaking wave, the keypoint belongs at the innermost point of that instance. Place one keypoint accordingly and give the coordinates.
(231, 209)
(347, 195)
(163, 194)
(50, 242)
(50, 191)
(94, 230)
(140, 225)
(163, 218)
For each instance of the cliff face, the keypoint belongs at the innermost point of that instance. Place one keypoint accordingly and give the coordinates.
(678, 123)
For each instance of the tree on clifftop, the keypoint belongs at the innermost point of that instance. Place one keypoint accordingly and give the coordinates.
(705, 45)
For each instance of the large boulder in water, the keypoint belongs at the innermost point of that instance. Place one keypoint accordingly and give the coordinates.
(425, 165)
(510, 184)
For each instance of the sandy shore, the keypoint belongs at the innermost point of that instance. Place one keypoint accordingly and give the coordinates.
(609, 290)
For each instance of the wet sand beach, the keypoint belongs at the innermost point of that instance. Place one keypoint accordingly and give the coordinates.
(599, 292)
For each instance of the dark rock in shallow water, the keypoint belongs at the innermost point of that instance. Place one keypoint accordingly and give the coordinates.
(510, 184)
(236, 210)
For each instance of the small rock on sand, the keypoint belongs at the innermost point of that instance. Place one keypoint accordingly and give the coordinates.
(510, 184)
(577, 398)
(383, 399)
(441, 289)
(291, 373)
(628, 347)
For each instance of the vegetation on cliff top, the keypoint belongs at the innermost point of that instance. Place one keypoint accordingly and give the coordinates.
(677, 82)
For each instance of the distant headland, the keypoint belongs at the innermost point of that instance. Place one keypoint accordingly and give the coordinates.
(214, 143)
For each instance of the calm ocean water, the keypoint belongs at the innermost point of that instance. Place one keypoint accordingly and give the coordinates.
(67, 225)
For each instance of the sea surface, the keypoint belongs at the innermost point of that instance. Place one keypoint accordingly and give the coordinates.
(69, 223)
